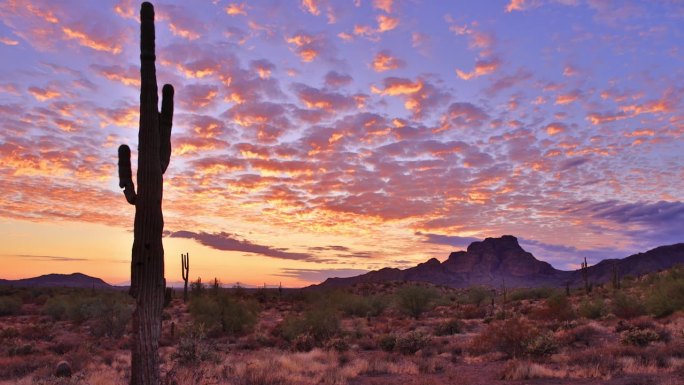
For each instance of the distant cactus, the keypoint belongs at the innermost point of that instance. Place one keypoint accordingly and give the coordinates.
(185, 273)
(585, 276)
(154, 152)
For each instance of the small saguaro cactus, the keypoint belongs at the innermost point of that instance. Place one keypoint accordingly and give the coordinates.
(585, 276)
(185, 273)
(147, 264)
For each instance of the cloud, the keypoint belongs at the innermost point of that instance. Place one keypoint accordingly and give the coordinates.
(320, 275)
(463, 115)
(386, 23)
(334, 79)
(384, 5)
(451, 240)
(311, 6)
(384, 61)
(234, 9)
(230, 242)
(515, 5)
(308, 46)
(482, 67)
(48, 258)
(555, 128)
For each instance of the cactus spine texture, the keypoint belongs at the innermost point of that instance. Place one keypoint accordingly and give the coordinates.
(147, 264)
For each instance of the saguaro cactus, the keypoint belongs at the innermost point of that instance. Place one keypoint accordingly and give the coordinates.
(147, 264)
(185, 273)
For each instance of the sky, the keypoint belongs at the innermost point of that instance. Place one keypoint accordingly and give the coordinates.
(319, 138)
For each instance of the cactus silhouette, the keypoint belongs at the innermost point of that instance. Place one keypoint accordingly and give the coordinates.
(185, 273)
(147, 264)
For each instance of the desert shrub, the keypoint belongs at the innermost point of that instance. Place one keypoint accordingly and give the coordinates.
(667, 294)
(17, 367)
(524, 370)
(415, 300)
(510, 337)
(21, 350)
(453, 326)
(222, 314)
(626, 306)
(339, 345)
(544, 344)
(583, 335)
(599, 361)
(110, 316)
(193, 347)
(387, 342)
(320, 324)
(638, 337)
(591, 309)
(557, 307)
(532, 293)
(470, 311)
(9, 305)
(478, 295)
(412, 342)
(362, 306)
(56, 307)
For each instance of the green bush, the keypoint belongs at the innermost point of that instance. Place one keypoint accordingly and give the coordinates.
(415, 300)
(478, 295)
(387, 342)
(510, 337)
(639, 337)
(542, 345)
(626, 306)
(559, 307)
(532, 293)
(56, 307)
(667, 294)
(412, 342)
(9, 305)
(591, 309)
(320, 324)
(362, 306)
(193, 347)
(453, 326)
(221, 313)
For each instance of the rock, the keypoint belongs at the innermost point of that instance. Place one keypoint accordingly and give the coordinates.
(63, 369)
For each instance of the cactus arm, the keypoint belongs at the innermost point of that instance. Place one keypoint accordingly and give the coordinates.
(165, 124)
(125, 174)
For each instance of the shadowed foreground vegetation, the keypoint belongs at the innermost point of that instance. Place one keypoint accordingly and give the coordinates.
(367, 334)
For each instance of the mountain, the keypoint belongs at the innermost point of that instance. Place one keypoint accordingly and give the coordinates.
(495, 261)
(60, 280)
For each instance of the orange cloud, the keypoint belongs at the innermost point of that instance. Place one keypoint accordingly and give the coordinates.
(183, 32)
(515, 5)
(384, 61)
(87, 41)
(307, 46)
(234, 9)
(311, 6)
(555, 128)
(384, 5)
(569, 97)
(8, 41)
(386, 23)
(644, 132)
(127, 76)
(398, 86)
(43, 94)
(482, 67)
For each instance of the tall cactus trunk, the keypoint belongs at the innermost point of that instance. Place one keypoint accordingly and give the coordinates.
(147, 264)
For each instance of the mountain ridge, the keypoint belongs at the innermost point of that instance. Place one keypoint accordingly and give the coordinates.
(497, 261)
(59, 280)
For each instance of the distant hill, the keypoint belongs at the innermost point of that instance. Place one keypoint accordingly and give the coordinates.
(59, 280)
(497, 260)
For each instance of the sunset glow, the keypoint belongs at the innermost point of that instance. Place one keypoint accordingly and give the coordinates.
(321, 138)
